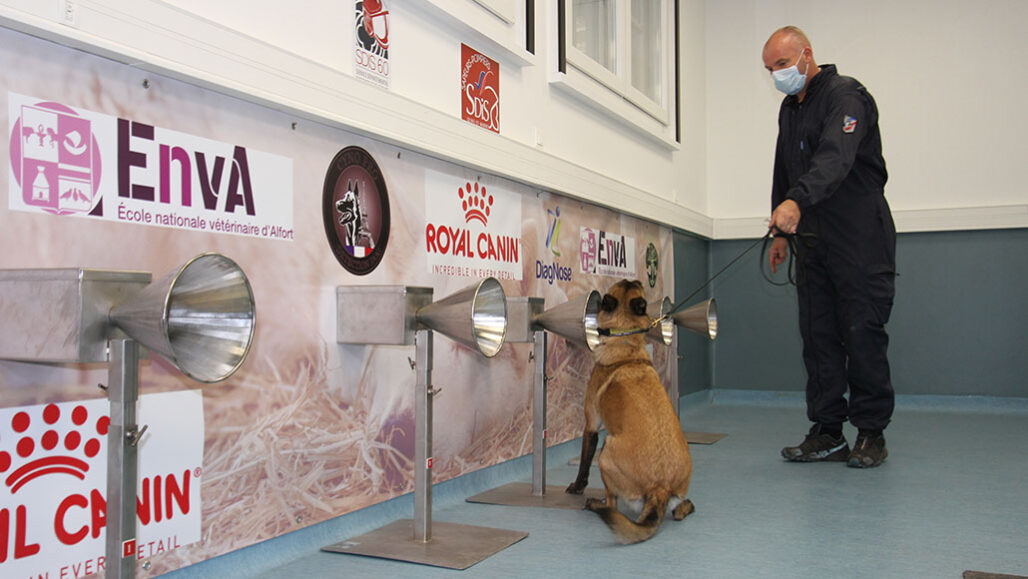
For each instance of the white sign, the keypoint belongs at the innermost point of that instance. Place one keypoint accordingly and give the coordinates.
(605, 253)
(69, 161)
(53, 482)
(472, 229)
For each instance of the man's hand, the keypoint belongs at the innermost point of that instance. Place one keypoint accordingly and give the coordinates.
(779, 252)
(786, 217)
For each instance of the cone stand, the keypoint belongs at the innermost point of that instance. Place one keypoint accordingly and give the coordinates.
(472, 317)
(575, 318)
(200, 317)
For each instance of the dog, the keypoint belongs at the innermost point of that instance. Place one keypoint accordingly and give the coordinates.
(350, 217)
(645, 457)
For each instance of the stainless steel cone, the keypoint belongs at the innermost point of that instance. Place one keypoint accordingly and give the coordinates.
(700, 318)
(575, 320)
(663, 332)
(200, 317)
(475, 316)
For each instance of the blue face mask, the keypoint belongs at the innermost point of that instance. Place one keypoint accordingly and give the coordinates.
(789, 80)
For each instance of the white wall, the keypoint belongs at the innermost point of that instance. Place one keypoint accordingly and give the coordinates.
(296, 56)
(946, 76)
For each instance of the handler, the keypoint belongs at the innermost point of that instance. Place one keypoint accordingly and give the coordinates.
(828, 190)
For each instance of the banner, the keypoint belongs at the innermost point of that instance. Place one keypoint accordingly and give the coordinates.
(75, 162)
(53, 470)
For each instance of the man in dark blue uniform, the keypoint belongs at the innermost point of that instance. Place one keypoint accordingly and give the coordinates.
(828, 191)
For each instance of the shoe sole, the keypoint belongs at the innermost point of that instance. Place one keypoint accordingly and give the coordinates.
(837, 454)
(860, 464)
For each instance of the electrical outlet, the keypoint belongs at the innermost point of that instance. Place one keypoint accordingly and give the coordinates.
(69, 12)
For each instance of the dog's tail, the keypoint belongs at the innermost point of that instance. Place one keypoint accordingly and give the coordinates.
(629, 531)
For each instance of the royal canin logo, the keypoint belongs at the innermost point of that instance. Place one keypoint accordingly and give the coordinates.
(475, 202)
(51, 457)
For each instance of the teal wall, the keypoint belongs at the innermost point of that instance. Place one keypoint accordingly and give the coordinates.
(692, 264)
(959, 325)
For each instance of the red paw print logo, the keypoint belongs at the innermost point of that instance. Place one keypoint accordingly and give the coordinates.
(53, 452)
(475, 202)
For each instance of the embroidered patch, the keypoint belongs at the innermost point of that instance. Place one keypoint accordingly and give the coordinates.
(849, 124)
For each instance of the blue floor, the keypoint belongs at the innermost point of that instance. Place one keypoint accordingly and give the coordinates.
(951, 497)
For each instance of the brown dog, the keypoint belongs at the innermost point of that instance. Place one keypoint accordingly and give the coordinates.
(645, 458)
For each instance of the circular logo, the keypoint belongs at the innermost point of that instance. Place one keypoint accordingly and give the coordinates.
(651, 265)
(355, 209)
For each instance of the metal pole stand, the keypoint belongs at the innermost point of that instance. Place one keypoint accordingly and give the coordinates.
(449, 545)
(122, 459)
(538, 493)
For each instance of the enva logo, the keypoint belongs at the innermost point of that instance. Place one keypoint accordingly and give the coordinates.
(55, 159)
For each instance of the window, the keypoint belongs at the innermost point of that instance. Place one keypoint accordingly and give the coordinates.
(627, 46)
(623, 44)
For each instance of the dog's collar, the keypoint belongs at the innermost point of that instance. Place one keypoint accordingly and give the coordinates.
(619, 332)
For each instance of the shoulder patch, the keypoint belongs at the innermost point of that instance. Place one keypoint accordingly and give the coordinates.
(849, 124)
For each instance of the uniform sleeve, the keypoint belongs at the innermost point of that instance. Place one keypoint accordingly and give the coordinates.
(848, 121)
(779, 181)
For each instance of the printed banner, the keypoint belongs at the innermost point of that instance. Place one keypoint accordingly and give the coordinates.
(67, 161)
(472, 229)
(53, 469)
(604, 253)
(549, 266)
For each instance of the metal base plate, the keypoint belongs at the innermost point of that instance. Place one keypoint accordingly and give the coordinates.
(703, 437)
(690, 436)
(520, 495)
(452, 545)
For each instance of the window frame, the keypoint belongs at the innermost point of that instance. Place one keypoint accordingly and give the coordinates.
(619, 82)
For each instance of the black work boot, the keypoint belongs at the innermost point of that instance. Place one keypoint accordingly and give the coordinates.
(869, 450)
(819, 446)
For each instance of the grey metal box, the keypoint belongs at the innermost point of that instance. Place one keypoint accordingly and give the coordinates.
(378, 314)
(521, 313)
(61, 315)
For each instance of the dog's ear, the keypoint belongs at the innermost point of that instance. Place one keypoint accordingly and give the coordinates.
(609, 303)
(638, 306)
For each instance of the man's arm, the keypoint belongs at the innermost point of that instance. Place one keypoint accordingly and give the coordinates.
(846, 124)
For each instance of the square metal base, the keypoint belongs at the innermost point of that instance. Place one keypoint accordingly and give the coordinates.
(520, 495)
(452, 545)
(690, 437)
(703, 437)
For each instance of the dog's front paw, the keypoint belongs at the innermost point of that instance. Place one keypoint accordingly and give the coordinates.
(595, 504)
(575, 488)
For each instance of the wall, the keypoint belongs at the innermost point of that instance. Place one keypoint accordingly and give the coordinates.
(950, 105)
(548, 139)
(692, 268)
(957, 326)
(308, 429)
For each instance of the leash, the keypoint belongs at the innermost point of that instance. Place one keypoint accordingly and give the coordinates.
(657, 321)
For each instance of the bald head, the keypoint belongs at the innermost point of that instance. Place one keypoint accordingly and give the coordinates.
(789, 35)
(789, 46)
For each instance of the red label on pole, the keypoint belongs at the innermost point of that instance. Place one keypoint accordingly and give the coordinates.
(128, 549)
(429, 462)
